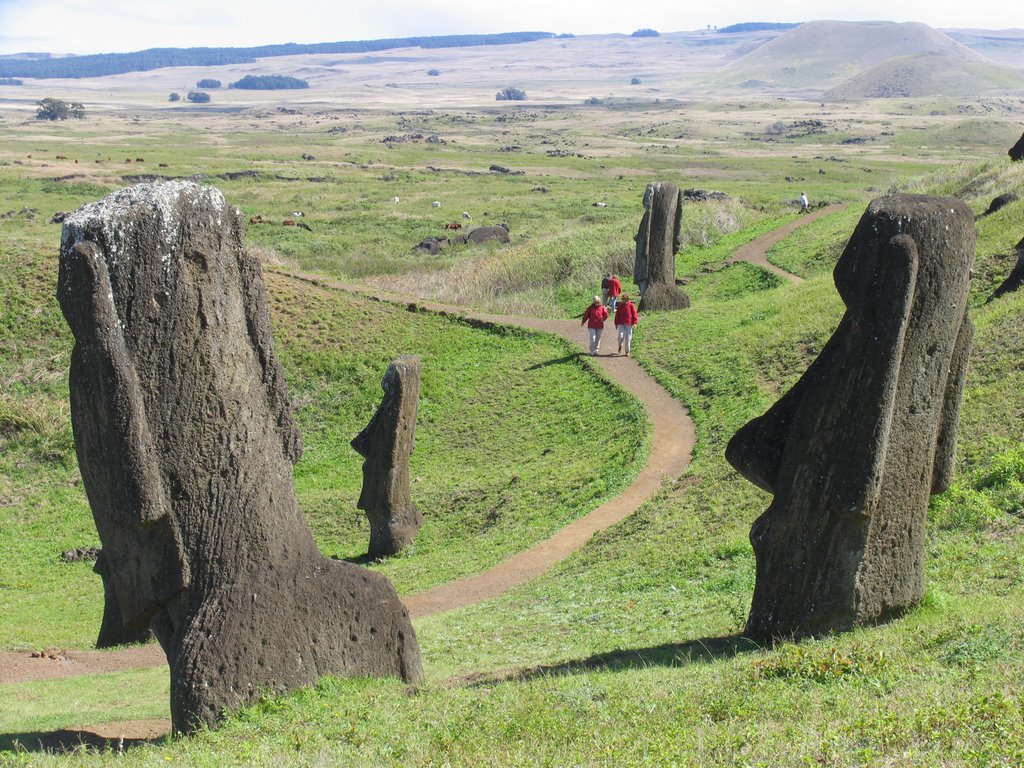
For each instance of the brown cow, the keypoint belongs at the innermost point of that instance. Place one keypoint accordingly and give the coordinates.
(453, 225)
(288, 222)
(257, 219)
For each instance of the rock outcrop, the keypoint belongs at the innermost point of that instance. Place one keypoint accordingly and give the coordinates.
(186, 442)
(657, 242)
(386, 443)
(853, 451)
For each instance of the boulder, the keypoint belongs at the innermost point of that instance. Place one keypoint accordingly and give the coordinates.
(386, 443)
(854, 450)
(186, 442)
(484, 234)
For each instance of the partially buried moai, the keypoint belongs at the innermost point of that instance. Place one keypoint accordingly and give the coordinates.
(657, 242)
(186, 442)
(853, 451)
(387, 443)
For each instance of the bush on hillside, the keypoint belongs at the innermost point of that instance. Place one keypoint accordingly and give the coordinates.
(510, 94)
(198, 97)
(175, 96)
(635, 81)
(268, 83)
(208, 82)
(433, 72)
(10, 81)
(55, 109)
(646, 32)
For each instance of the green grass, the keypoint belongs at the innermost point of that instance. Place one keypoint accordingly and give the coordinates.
(626, 653)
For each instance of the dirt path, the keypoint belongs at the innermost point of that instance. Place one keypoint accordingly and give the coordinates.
(672, 446)
(756, 250)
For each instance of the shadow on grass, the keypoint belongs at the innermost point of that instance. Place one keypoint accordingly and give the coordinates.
(64, 741)
(703, 651)
(557, 361)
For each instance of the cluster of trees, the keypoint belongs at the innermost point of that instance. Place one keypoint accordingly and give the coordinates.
(208, 82)
(101, 64)
(646, 32)
(195, 97)
(268, 83)
(10, 81)
(510, 94)
(55, 109)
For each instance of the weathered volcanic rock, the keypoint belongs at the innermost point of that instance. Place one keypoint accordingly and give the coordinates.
(186, 443)
(1015, 279)
(387, 443)
(657, 242)
(1001, 201)
(853, 451)
(1016, 152)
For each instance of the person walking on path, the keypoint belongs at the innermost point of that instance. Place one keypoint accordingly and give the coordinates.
(606, 283)
(626, 318)
(804, 205)
(614, 289)
(594, 317)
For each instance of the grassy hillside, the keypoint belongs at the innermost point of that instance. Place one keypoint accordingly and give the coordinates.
(821, 54)
(627, 653)
(926, 74)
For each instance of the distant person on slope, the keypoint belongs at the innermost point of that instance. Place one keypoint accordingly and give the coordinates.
(614, 289)
(594, 317)
(804, 205)
(626, 318)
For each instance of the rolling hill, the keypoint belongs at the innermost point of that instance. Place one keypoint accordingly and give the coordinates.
(821, 55)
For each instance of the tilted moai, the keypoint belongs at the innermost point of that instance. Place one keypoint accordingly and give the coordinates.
(186, 442)
(1015, 279)
(387, 443)
(1016, 152)
(853, 451)
(657, 242)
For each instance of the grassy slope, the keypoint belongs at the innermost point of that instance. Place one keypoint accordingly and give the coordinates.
(637, 629)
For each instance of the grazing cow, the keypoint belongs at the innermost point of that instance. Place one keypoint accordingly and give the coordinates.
(436, 204)
(127, 159)
(61, 157)
(466, 216)
(139, 160)
(305, 226)
(257, 219)
(164, 165)
(297, 214)
(453, 225)
(395, 199)
(288, 223)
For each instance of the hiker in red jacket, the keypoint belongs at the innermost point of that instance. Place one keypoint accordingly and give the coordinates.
(594, 317)
(614, 289)
(626, 318)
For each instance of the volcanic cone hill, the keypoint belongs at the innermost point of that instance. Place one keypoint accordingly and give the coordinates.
(819, 55)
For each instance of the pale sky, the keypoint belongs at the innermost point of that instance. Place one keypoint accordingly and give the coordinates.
(107, 26)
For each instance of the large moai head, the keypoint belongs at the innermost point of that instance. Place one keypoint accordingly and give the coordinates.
(657, 242)
(186, 443)
(853, 451)
(386, 443)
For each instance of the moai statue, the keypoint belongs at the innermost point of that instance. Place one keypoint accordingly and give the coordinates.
(1015, 279)
(657, 242)
(186, 442)
(853, 451)
(387, 443)
(1016, 152)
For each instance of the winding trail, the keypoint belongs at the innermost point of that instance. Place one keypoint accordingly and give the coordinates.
(756, 251)
(673, 439)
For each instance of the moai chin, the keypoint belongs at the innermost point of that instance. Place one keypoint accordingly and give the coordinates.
(186, 442)
(853, 451)
(386, 443)
(657, 242)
